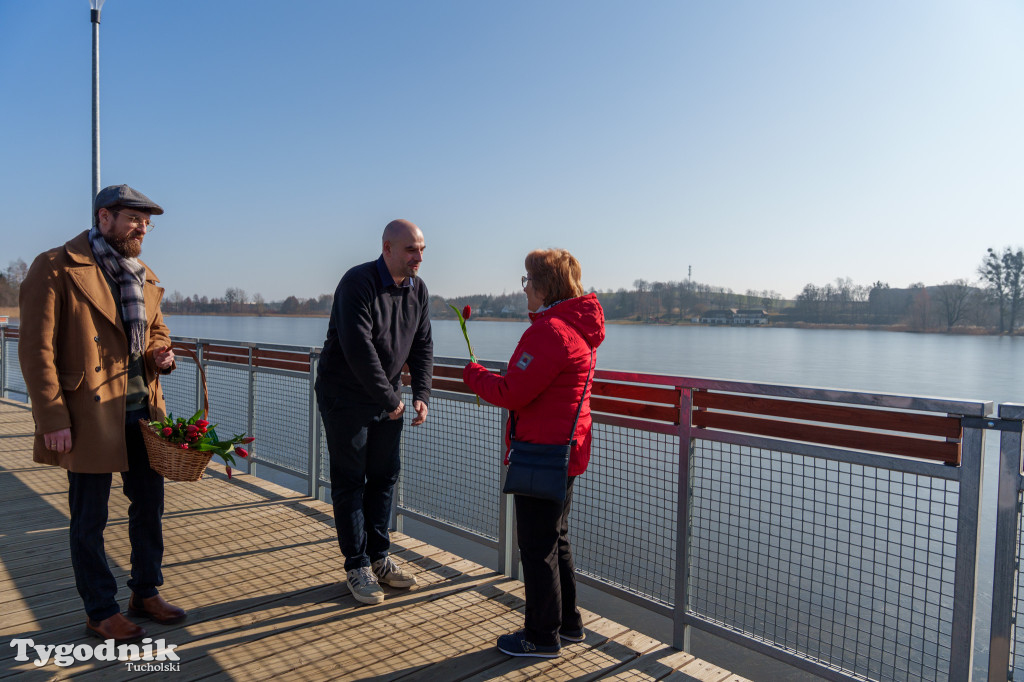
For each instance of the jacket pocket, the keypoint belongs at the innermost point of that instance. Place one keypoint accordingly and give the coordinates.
(69, 381)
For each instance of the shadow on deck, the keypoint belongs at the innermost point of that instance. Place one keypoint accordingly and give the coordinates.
(257, 566)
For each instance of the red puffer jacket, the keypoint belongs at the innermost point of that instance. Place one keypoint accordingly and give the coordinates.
(546, 376)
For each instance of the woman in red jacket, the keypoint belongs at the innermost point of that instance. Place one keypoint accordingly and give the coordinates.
(543, 388)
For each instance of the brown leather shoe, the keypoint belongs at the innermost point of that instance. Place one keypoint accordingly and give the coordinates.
(117, 628)
(156, 609)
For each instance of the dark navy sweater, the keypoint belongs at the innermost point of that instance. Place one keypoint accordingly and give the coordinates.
(376, 327)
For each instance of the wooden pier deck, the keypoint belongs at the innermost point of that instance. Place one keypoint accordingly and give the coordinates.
(257, 566)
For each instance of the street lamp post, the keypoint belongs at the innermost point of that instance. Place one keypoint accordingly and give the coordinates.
(94, 14)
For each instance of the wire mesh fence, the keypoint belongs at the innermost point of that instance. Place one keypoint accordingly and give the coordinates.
(451, 465)
(281, 420)
(849, 565)
(179, 388)
(14, 382)
(1017, 617)
(623, 527)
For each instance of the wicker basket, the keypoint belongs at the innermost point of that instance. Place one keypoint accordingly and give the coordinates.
(166, 458)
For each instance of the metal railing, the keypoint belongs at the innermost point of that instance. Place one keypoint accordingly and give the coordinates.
(1006, 652)
(834, 530)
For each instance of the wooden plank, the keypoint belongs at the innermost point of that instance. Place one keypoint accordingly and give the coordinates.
(939, 451)
(451, 385)
(640, 410)
(448, 372)
(290, 356)
(699, 671)
(647, 394)
(887, 420)
(281, 364)
(226, 350)
(654, 665)
(221, 357)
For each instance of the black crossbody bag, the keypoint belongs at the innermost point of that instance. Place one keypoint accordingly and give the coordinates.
(539, 469)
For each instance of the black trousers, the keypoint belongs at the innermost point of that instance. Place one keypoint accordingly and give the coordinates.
(88, 495)
(364, 445)
(548, 570)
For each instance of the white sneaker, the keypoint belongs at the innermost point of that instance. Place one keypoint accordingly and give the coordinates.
(388, 572)
(363, 585)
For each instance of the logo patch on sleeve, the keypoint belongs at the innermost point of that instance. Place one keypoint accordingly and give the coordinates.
(524, 361)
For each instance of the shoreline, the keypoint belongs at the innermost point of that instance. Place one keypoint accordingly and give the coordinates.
(903, 328)
(13, 313)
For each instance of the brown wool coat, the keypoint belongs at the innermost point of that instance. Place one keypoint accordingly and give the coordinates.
(74, 357)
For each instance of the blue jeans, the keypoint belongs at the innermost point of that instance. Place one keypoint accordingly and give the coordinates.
(88, 495)
(364, 447)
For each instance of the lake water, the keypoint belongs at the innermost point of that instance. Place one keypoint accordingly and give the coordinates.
(950, 366)
(960, 367)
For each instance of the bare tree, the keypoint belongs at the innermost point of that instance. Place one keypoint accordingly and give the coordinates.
(920, 307)
(953, 297)
(1004, 275)
(16, 272)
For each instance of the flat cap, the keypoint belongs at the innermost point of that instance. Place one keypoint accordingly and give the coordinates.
(123, 195)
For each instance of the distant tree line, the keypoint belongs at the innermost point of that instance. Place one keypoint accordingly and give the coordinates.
(237, 301)
(994, 303)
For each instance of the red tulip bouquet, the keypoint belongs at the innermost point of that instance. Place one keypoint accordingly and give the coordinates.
(198, 434)
(463, 316)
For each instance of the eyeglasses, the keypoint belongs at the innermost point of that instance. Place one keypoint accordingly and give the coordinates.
(136, 222)
(526, 278)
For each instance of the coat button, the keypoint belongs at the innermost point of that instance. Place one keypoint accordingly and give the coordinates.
(96, 398)
(96, 339)
(97, 369)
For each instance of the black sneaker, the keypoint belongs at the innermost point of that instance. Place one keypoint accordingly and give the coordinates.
(516, 644)
(572, 635)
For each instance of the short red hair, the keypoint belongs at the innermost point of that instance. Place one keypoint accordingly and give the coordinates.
(556, 273)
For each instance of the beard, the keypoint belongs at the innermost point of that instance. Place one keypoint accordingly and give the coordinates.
(127, 246)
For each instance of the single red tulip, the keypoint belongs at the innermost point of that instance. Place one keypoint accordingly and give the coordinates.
(242, 452)
(466, 312)
(183, 446)
(248, 439)
(167, 431)
(202, 423)
(229, 471)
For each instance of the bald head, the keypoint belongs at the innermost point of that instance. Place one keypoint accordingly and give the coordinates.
(402, 248)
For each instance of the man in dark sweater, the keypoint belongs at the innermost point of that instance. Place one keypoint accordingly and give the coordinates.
(380, 321)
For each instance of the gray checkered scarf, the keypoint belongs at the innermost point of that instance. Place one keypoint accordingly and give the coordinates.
(130, 275)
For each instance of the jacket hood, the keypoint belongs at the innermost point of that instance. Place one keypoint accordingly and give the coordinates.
(583, 313)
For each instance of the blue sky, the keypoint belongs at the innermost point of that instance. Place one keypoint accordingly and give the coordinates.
(766, 143)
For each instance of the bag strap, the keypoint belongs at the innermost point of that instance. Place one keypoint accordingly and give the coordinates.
(593, 363)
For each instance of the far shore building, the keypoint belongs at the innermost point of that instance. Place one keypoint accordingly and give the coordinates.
(742, 316)
(750, 316)
(718, 316)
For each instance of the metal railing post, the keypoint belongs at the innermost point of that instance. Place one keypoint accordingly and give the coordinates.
(3, 360)
(508, 545)
(1004, 573)
(314, 429)
(251, 412)
(680, 631)
(965, 584)
(199, 377)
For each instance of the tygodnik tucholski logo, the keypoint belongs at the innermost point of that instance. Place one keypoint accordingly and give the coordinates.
(151, 656)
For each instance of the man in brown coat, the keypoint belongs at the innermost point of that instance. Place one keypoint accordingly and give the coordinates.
(92, 345)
